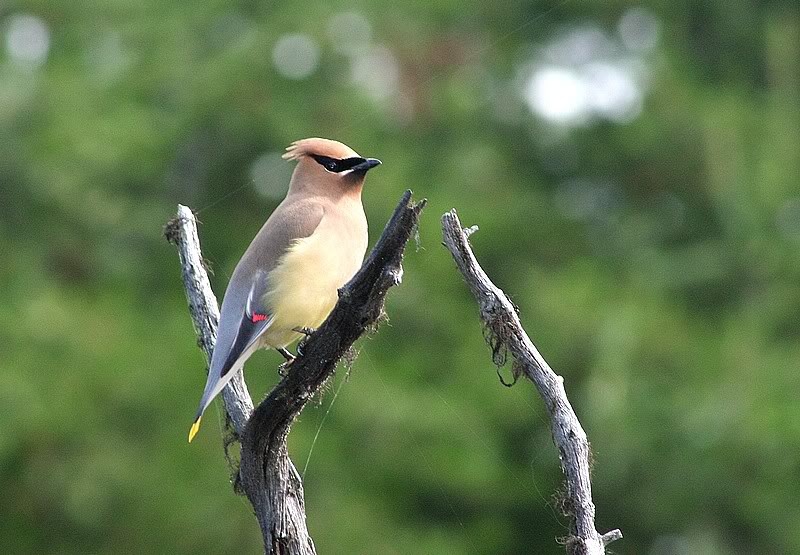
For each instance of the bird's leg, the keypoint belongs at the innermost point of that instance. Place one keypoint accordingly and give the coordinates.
(284, 366)
(305, 331)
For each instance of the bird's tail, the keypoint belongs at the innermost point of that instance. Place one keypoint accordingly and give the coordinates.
(216, 382)
(213, 388)
(195, 428)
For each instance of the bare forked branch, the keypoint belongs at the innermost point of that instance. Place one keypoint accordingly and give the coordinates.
(505, 331)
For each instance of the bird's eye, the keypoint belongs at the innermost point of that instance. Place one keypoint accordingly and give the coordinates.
(331, 166)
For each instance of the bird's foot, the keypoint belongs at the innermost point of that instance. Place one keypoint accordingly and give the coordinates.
(305, 331)
(283, 369)
(286, 354)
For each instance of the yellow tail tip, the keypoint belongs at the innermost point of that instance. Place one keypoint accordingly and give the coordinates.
(195, 429)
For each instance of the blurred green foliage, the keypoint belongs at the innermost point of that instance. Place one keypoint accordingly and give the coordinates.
(634, 172)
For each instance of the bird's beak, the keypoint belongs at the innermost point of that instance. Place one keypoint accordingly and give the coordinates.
(366, 165)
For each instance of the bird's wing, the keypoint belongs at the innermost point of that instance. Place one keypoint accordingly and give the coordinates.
(254, 320)
(244, 315)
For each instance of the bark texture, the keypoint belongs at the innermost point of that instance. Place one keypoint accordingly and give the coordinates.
(505, 332)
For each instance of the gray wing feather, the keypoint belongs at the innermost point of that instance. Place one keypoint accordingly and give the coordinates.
(294, 218)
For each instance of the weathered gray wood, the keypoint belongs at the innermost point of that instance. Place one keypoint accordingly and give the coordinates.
(204, 309)
(499, 316)
(266, 474)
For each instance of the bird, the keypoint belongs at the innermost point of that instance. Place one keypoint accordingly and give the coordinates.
(286, 282)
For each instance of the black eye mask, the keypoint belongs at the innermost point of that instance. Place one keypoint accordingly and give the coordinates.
(337, 166)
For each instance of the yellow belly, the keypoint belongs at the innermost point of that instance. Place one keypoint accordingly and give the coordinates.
(303, 287)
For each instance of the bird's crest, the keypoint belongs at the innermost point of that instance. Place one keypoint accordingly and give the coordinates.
(321, 147)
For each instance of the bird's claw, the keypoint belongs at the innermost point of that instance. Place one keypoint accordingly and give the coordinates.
(284, 367)
(307, 333)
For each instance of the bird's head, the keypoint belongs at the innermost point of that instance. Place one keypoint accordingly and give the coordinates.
(328, 165)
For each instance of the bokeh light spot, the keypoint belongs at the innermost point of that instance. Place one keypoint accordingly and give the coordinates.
(638, 28)
(612, 92)
(584, 75)
(558, 95)
(270, 174)
(350, 33)
(296, 56)
(376, 72)
(27, 40)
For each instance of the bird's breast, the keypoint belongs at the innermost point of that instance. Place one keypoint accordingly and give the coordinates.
(303, 286)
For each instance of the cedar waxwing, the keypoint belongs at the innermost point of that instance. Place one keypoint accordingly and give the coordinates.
(288, 278)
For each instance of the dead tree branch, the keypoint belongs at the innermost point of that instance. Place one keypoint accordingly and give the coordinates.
(204, 310)
(266, 474)
(499, 316)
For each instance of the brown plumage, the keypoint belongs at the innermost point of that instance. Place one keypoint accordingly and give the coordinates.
(288, 278)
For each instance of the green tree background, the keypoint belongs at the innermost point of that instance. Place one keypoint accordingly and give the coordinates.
(634, 172)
